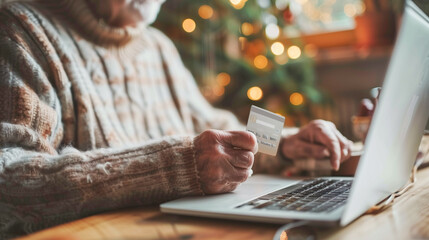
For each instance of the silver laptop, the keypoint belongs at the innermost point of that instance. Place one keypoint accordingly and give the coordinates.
(390, 151)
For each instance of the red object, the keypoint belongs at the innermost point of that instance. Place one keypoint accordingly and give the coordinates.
(288, 15)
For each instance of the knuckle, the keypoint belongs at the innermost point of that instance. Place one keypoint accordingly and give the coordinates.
(244, 177)
(217, 173)
(318, 124)
(210, 134)
(248, 158)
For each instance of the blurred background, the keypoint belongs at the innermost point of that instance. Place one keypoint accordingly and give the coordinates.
(303, 59)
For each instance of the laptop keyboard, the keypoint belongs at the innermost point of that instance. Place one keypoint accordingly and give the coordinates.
(318, 195)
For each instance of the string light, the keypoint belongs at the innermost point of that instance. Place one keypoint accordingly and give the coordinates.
(260, 61)
(264, 3)
(189, 25)
(360, 7)
(205, 12)
(255, 93)
(268, 18)
(294, 52)
(238, 4)
(223, 79)
(218, 91)
(246, 28)
(282, 4)
(277, 48)
(350, 10)
(296, 99)
(235, 2)
(272, 31)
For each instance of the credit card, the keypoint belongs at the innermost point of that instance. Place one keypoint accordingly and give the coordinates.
(267, 127)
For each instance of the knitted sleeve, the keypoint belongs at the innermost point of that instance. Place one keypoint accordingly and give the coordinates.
(43, 184)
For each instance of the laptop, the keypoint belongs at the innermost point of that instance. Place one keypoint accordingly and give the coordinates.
(385, 166)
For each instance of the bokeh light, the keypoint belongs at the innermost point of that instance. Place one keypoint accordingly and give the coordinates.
(205, 12)
(294, 52)
(246, 28)
(189, 25)
(272, 31)
(223, 79)
(350, 10)
(260, 61)
(282, 4)
(218, 91)
(235, 2)
(238, 4)
(296, 99)
(277, 48)
(255, 93)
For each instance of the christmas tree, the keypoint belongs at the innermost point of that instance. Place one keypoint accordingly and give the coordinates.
(239, 54)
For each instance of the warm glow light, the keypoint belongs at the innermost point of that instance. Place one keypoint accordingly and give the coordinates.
(188, 25)
(350, 10)
(294, 52)
(360, 8)
(254, 93)
(205, 12)
(223, 79)
(235, 2)
(238, 4)
(260, 61)
(218, 91)
(302, 2)
(282, 59)
(272, 31)
(247, 28)
(277, 48)
(296, 99)
(242, 41)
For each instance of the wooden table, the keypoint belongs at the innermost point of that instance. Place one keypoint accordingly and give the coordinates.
(408, 218)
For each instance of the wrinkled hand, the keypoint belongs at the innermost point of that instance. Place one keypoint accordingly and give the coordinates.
(319, 139)
(224, 159)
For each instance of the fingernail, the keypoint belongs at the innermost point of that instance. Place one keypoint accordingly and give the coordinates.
(250, 172)
(326, 153)
(345, 152)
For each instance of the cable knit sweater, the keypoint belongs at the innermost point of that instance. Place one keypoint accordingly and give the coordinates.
(93, 118)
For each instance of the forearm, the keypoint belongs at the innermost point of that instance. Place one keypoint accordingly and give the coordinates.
(40, 190)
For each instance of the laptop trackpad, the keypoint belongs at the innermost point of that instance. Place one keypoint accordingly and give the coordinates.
(254, 187)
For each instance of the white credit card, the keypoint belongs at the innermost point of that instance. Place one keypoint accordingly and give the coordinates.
(267, 127)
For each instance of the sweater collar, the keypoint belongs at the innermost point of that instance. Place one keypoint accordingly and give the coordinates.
(79, 15)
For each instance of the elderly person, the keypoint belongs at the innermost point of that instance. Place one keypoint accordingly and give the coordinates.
(98, 112)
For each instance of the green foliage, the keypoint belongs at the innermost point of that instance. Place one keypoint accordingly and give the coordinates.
(214, 48)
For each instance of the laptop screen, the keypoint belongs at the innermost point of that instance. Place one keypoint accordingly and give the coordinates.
(400, 118)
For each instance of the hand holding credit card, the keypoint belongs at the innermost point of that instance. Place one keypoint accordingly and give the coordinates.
(267, 127)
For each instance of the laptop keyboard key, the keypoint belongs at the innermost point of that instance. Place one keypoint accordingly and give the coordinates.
(319, 195)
